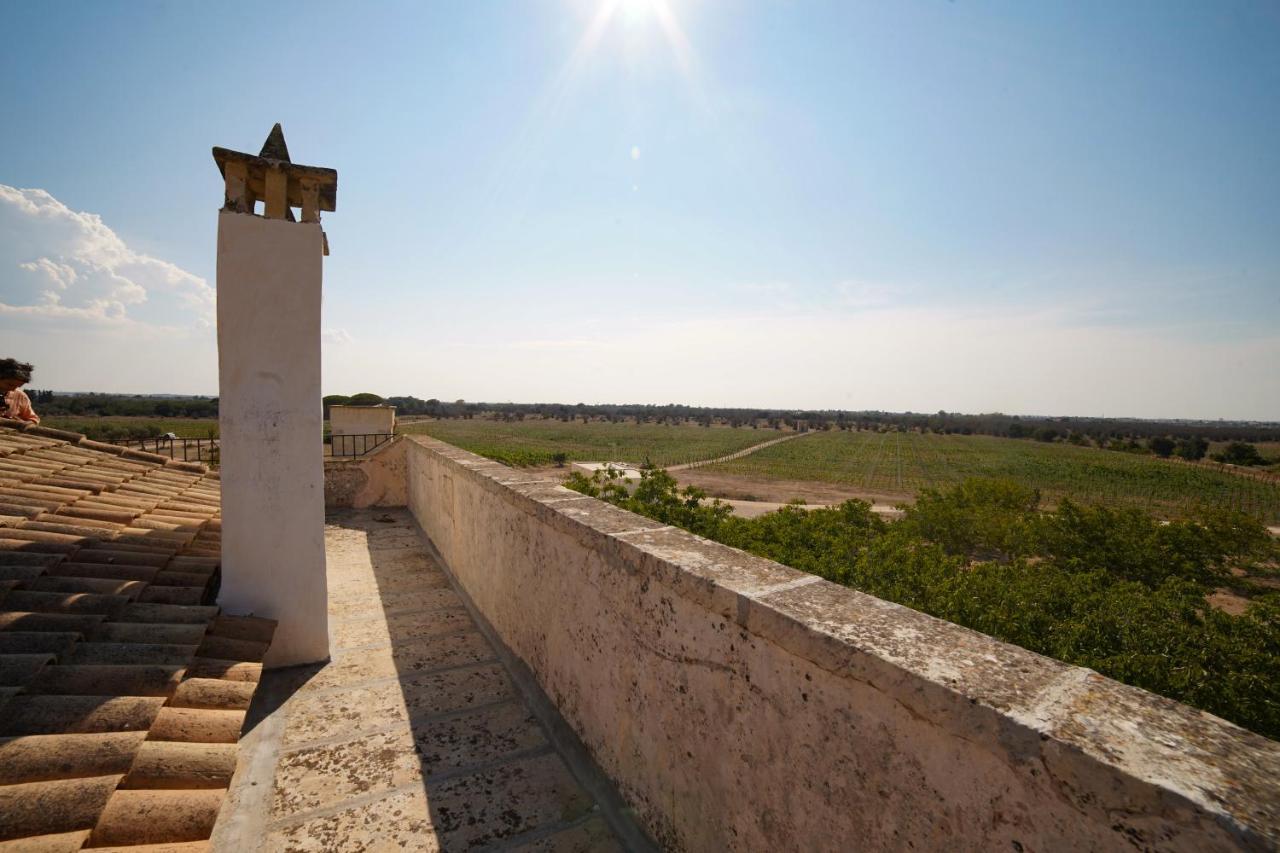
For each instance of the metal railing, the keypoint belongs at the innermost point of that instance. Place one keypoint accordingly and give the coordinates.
(203, 450)
(343, 446)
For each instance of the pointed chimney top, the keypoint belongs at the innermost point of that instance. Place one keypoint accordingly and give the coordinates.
(274, 148)
(274, 179)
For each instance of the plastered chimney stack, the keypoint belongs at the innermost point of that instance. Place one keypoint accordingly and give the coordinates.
(270, 411)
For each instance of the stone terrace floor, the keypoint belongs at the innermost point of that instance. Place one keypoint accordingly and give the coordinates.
(413, 737)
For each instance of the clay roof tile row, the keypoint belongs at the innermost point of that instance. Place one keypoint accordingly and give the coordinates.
(123, 689)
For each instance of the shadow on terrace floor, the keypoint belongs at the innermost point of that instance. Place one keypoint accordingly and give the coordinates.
(413, 737)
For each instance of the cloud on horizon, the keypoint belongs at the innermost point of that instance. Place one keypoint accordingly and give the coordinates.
(1023, 361)
(336, 337)
(69, 266)
(94, 314)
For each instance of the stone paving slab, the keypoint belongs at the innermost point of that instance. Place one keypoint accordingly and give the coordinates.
(591, 836)
(413, 737)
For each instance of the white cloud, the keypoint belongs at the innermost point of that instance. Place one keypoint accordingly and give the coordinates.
(57, 263)
(864, 294)
(336, 337)
(767, 287)
(556, 343)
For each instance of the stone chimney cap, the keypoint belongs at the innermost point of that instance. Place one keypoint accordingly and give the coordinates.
(251, 174)
(274, 148)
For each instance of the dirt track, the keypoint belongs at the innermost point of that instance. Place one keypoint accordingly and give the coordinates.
(741, 487)
(746, 451)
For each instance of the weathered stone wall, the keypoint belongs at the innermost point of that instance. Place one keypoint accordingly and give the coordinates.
(742, 705)
(375, 479)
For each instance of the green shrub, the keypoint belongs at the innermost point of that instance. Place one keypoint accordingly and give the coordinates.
(1114, 590)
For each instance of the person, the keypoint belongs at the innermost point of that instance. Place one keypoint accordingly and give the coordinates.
(17, 405)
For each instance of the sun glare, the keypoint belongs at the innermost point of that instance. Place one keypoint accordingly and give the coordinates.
(634, 14)
(634, 11)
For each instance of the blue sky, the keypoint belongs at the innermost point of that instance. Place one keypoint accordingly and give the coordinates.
(1053, 208)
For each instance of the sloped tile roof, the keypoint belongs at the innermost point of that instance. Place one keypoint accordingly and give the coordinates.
(122, 687)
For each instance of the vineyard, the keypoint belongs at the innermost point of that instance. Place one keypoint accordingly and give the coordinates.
(116, 428)
(900, 463)
(535, 442)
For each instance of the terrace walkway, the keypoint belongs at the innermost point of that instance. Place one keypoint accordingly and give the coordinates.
(414, 737)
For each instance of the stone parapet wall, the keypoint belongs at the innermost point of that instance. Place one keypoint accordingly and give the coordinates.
(742, 705)
(374, 479)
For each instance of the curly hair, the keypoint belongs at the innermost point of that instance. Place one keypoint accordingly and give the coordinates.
(11, 368)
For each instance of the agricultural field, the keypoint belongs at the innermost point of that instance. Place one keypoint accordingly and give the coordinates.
(119, 428)
(898, 463)
(534, 442)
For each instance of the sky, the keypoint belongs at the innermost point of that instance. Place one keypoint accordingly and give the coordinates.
(1041, 208)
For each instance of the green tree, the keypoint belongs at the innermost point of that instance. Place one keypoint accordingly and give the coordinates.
(1192, 449)
(1240, 453)
(334, 400)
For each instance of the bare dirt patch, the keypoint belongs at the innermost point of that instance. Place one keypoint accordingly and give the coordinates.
(1228, 601)
(745, 488)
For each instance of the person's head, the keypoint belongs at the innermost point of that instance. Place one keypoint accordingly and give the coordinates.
(13, 374)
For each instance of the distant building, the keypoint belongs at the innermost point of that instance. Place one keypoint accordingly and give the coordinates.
(362, 420)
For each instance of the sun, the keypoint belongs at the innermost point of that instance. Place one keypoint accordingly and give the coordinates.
(635, 11)
(637, 15)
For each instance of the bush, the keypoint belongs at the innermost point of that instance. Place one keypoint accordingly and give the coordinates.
(1192, 449)
(1240, 453)
(1110, 589)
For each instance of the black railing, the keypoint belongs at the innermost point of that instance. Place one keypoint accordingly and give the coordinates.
(355, 445)
(187, 449)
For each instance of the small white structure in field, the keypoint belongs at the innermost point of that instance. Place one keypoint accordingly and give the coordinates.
(362, 420)
(624, 469)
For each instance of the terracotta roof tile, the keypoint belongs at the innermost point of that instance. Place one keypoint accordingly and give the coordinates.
(103, 570)
(181, 847)
(132, 653)
(46, 808)
(61, 843)
(42, 758)
(173, 764)
(133, 632)
(17, 620)
(160, 594)
(232, 648)
(108, 680)
(56, 643)
(197, 725)
(214, 694)
(101, 447)
(19, 670)
(157, 816)
(176, 614)
(10, 507)
(227, 670)
(21, 572)
(38, 715)
(61, 602)
(122, 688)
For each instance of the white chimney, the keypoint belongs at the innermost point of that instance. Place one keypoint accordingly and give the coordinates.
(270, 418)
